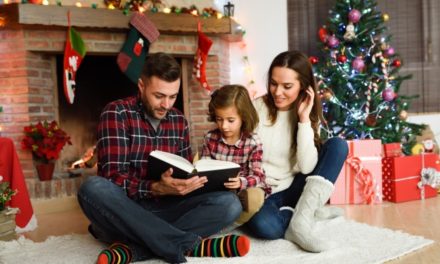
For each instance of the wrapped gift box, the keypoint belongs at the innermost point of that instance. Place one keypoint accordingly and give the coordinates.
(392, 150)
(360, 180)
(401, 176)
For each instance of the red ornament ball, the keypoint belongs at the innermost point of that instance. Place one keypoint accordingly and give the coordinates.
(371, 121)
(313, 59)
(323, 34)
(342, 58)
(397, 63)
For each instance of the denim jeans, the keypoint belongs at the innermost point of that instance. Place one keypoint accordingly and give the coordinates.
(166, 227)
(271, 222)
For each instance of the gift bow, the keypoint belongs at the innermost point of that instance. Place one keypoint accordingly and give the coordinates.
(364, 178)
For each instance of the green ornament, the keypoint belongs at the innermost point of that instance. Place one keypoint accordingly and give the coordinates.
(94, 6)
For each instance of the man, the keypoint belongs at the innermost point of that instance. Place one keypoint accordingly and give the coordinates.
(143, 218)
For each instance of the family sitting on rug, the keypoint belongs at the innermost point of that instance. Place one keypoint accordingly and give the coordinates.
(274, 139)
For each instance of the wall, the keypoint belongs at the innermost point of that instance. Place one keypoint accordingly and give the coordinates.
(265, 23)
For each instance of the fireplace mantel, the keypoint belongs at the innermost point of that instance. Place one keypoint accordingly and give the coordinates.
(45, 17)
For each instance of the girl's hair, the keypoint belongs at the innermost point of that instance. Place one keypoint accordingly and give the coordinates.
(238, 96)
(298, 62)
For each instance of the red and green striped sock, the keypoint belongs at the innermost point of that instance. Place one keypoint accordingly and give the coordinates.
(117, 253)
(226, 246)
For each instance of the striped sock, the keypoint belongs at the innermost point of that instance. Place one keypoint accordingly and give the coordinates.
(117, 253)
(226, 246)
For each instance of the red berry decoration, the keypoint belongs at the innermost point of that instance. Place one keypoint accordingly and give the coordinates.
(313, 59)
(342, 58)
(397, 63)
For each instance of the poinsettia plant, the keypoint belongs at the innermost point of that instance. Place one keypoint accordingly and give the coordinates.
(45, 140)
(5, 193)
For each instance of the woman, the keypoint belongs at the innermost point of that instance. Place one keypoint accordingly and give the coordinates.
(300, 170)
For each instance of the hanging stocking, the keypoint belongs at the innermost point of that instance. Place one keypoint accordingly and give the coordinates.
(132, 56)
(74, 53)
(204, 44)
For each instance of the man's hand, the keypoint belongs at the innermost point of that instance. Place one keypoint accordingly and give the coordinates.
(171, 186)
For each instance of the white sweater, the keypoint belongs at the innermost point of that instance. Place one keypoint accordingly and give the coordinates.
(277, 138)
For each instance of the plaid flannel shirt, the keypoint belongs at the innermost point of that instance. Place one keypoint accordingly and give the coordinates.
(247, 152)
(126, 138)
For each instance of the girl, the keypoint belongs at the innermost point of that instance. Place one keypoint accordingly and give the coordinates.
(233, 140)
(299, 168)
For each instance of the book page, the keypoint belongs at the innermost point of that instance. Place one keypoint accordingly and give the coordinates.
(212, 165)
(173, 159)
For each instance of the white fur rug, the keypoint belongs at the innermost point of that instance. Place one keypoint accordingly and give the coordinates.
(355, 243)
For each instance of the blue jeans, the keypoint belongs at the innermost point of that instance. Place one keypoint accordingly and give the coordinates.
(270, 222)
(166, 227)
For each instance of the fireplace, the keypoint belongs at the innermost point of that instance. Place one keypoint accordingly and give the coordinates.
(31, 50)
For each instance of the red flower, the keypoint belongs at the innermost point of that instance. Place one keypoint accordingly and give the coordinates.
(45, 140)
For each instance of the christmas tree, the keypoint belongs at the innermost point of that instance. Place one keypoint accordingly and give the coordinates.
(359, 77)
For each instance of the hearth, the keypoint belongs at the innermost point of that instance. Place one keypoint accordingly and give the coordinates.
(31, 48)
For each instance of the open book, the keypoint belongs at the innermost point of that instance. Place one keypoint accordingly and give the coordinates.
(217, 171)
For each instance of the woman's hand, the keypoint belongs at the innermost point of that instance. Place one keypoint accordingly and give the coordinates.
(305, 106)
(233, 183)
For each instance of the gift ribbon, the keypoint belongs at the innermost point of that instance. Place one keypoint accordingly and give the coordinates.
(365, 179)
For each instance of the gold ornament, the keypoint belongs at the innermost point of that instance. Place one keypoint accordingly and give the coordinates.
(417, 149)
(386, 17)
(403, 115)
(327, 95)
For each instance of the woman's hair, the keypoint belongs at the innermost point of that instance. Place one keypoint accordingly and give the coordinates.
(238, 96)
(298, 62)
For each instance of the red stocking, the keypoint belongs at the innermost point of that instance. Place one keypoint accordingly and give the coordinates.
(74, 53)
(204, 44)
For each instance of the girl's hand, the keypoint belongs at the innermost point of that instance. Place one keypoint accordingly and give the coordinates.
(233, 183)
(305, 106)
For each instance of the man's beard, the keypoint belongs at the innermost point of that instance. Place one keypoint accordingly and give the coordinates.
(149, 110)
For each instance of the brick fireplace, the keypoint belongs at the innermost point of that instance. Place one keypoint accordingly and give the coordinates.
(32, 37)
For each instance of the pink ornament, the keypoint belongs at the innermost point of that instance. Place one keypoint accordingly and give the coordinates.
(332, 41)
(388, 94)
(354, 16)
(390, 51)
(358, 64)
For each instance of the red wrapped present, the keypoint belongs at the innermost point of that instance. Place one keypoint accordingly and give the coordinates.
(392, 150)
(402, 177)
(360, 180)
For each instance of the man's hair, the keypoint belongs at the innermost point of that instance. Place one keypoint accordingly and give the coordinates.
(238, 96)
(163, 66)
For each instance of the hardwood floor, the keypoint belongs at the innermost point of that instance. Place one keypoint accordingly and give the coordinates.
(63, 216)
